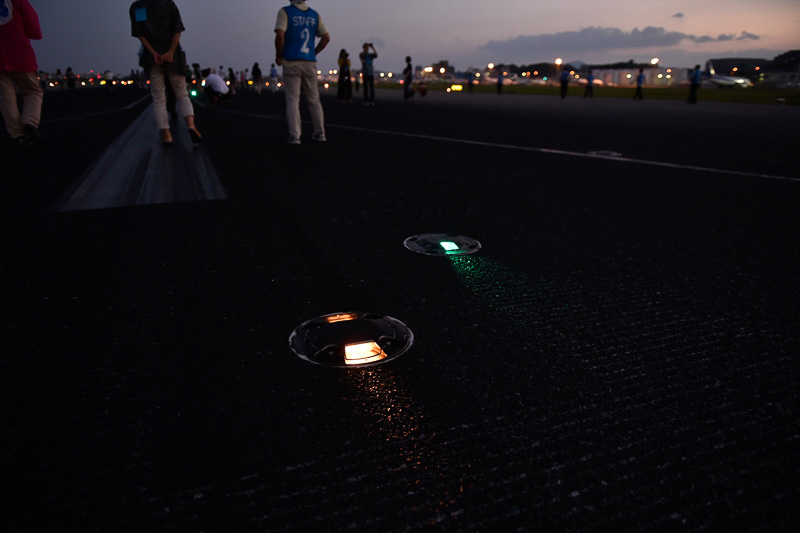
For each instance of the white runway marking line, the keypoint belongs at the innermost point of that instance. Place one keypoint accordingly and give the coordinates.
(541, 150)
(79, 117)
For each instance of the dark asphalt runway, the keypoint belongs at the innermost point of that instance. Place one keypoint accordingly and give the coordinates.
(621, 355)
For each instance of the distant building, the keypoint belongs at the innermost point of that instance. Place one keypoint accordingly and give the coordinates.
(783, 72)
(626, 76)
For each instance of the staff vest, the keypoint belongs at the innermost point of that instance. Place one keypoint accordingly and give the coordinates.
(301, 34)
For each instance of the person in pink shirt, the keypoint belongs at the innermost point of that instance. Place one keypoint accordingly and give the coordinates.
(19, 23)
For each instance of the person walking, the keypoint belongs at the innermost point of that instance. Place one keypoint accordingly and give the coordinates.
(19, 23)
(70, 77)
(158, 25)
(694, 84)
(232, 80)
(296, 31)
(258, 79)
(589, 92)
(368, 72)
(565, 76)
(639, 84)
(408, 79)
(273, 78)
(345, 86)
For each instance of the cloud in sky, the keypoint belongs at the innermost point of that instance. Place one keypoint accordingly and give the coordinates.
(594, 39)
(677, 16)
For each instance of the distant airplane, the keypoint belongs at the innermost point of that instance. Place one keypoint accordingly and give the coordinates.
(725, 81)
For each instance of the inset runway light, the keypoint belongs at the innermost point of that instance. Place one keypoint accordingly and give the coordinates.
(442, 244)
(352, 339)
(363, 353)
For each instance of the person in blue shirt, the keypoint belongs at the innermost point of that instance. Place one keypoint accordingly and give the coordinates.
(296, 31)
(565, 76)
(639, 83)
(368, 72)
(589, 92)
(694, 84)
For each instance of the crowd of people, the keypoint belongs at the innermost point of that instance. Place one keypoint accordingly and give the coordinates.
(300, 34)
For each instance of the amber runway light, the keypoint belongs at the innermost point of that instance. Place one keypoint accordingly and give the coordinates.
(351, 339)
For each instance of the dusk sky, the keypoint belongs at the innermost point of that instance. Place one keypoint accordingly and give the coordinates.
(95, 34)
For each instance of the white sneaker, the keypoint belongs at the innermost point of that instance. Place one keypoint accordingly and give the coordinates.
(319, 137)
(293, 140)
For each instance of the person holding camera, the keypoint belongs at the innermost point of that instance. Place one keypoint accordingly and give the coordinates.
(368, 72)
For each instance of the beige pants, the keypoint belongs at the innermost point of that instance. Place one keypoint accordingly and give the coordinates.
(31, 101)
(159, 93)
(301, 77)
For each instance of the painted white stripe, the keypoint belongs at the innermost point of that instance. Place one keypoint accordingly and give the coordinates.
(137, 169)
(79, 117)
(631, 160)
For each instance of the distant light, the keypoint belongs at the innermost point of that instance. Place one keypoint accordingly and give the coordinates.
(391, 74)
(194, 93)
(363, 353)
(383, 74)
(559, 61)
(203, 83)
(327, 85)
(758, 68)
(535, 72)
(319, 72)
(442, 70)
(477, 74)
(428, 69)
(51, 84)
(735, 69)
(457, 88)
(103, 82)
(654, 61)
(249, 82)
(490, 65)
(227, 83)
(628, 76)
(544, 78)
(660, 76)
(669, 76)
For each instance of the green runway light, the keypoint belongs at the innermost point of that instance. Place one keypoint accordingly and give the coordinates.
(449, 245)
